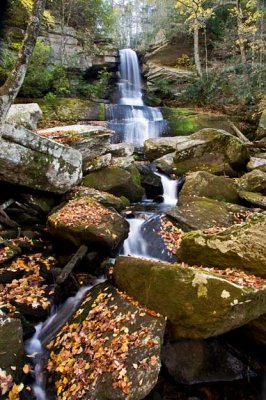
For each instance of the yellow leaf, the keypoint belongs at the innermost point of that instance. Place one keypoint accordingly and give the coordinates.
(14, 392)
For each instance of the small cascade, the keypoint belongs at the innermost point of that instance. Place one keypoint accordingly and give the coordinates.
(169, 189)
(132, 121)
(135, 244)
(46, 331)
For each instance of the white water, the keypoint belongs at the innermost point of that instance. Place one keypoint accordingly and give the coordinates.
(131, 119)
(46, 331)
(169, 189)
(135, 244)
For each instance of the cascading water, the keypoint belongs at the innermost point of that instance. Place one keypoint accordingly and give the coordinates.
(46, 331)
(132, 121)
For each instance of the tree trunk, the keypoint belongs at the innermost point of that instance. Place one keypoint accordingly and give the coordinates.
(10, 89)
(196, 49)
(240, 34)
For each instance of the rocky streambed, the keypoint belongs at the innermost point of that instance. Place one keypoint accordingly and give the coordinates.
(194, 309)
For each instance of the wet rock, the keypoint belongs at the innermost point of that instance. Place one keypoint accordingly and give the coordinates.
(257, 162)
(254, 181)
(241, 246)
(255, 199)
(97, 163)
(29, 160)
(26, 115)
(210, 150)
(12, 355)
(85, 221)
(156, 148)
(204, 184)
(156, 244)
(39, 201)
(116, 181)
(106, 199)
(198, 303)
(256, 331)
(151, 182)
(115, 344)
(208, 361)
(121, 149)
(193, 212)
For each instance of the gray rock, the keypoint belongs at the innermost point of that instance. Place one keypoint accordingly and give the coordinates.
(241, 246)
(198, 303)
(92, 141)
(156, 148)
(208, 361)
(257, 162)
(122, 162)
(97, 163)
(118, 352)
(166, 163)
(204, 184)
(30, 160)
(26, 115)
(121, 149)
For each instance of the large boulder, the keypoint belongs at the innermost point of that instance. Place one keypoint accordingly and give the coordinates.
(26, 115)
(92, 141)
(117, 181)
(211, 150)
(30, 160)
(254, 181)
(110, 349)
(193, 212)
(204, 184)
(84, 220)
(241, 246)
(12, 354)
(198, 303)
(121, 149)
(209, 361)
(253, 198)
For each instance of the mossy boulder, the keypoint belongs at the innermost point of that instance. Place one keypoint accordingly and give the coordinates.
(204, 184)
(117, 181)
(110, 349)
(257, 162)
(71, 110)
(166, 163)
(121, 149)
(97, 163)
(197, 302)
(241, 246)
(211, 150)
(185, 121)
(254, 181)
(195, 212)
(106, 199)
(84, 220)
(255, 199)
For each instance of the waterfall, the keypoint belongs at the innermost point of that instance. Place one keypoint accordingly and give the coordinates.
(169, 189)
(132, 121)
(135, 244)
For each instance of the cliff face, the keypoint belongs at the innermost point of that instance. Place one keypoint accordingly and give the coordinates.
(67, 49)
